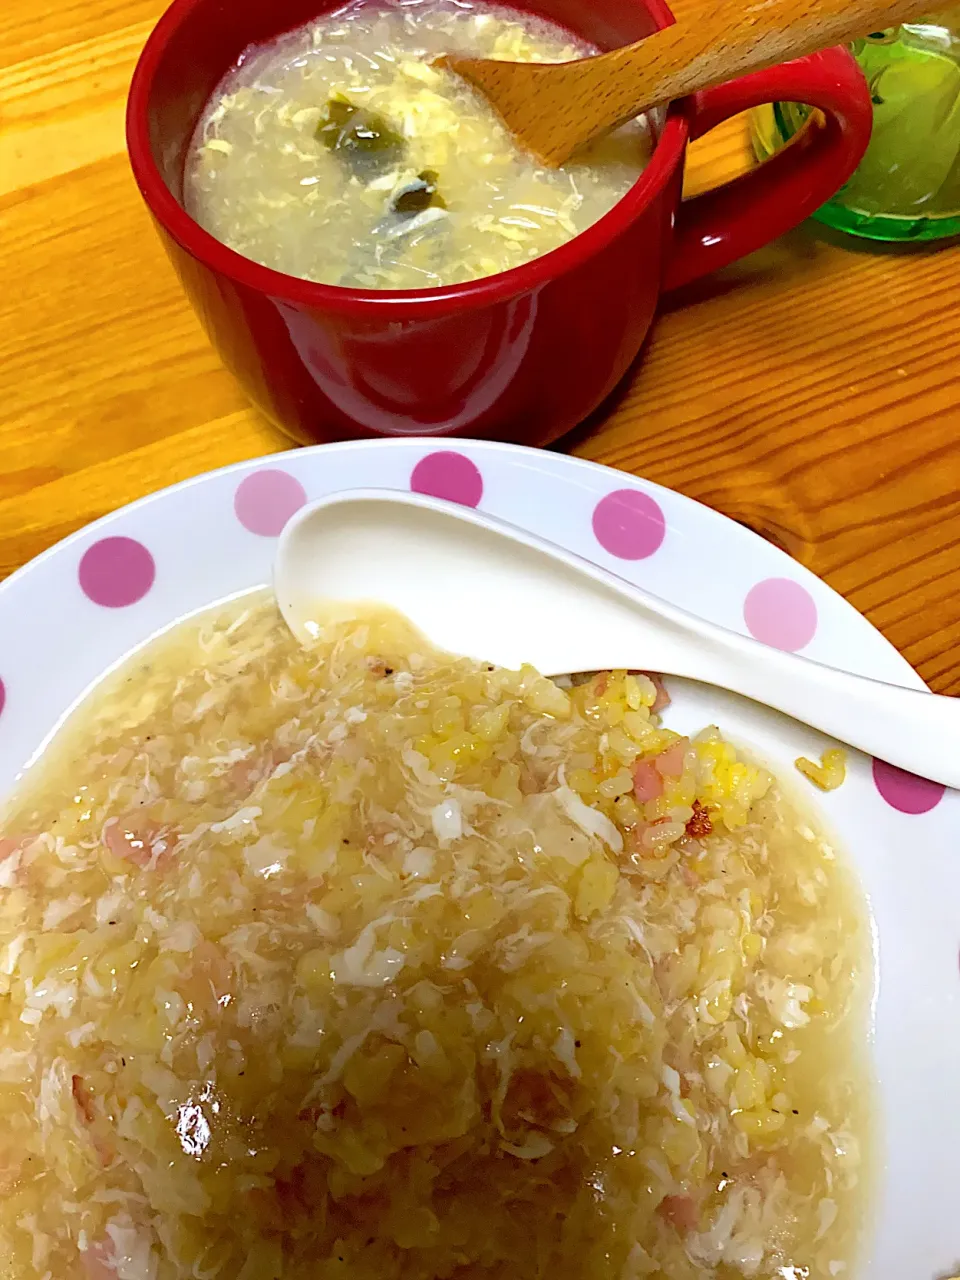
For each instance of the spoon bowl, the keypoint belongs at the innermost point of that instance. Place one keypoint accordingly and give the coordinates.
(477, 586)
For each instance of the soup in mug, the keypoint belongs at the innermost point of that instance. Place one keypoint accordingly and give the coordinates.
(338, 153)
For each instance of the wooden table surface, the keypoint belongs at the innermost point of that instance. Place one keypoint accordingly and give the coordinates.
(811, 392)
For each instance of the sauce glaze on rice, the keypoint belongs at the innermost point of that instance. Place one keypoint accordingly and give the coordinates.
(367, 961)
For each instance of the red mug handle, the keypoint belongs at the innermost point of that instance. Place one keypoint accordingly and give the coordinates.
(722, 225)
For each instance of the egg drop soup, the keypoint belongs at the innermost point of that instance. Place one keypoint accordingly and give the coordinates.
(339, 154)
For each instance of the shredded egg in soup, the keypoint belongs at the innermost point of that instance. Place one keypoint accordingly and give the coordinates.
(362, 960)
(339, 154)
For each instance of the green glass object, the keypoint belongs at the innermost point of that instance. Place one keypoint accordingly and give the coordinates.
(907, 188)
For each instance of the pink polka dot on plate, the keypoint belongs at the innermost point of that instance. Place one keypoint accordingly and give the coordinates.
(629, 524)
(904, 791)
(265, 500)
(780, 613)
(116, 572)
(3, 695)
(450, 476)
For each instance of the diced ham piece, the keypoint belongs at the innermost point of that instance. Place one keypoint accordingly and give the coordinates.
(138, 839)
(244, 775)
(679, 1211)
(10, 849)
(81, 1097)
(689, 876)
(97, 1263)
(670, 762)
(647, 781)
(247, 774)
(9, 862)
(528, 783)
(642, 842)
(663, 698)
(636, 838)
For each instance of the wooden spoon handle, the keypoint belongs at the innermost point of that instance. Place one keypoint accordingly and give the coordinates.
(731, 39)
(554, 109)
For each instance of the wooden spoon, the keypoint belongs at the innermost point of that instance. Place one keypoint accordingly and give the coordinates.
(555, 108)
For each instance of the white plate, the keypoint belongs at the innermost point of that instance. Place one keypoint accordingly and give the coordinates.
(81, 607)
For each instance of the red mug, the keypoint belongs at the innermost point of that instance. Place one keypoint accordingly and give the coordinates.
(525, 355)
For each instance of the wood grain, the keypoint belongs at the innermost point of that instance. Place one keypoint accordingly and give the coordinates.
(811, 392)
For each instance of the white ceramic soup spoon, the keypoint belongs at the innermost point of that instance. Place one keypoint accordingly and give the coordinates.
(482, 588)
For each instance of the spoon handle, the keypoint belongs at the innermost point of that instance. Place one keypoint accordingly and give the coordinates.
(915, 730)
(621, 626)
(730, 39)
(477, 585)
(556, 108)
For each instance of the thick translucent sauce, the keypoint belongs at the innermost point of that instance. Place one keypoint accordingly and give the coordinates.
(260, 179)
(365, 961)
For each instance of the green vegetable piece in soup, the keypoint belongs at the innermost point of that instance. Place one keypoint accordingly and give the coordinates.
(419, 195)
(366, 142)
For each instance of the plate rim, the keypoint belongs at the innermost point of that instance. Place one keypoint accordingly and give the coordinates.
(599, 479)
(911, 677)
